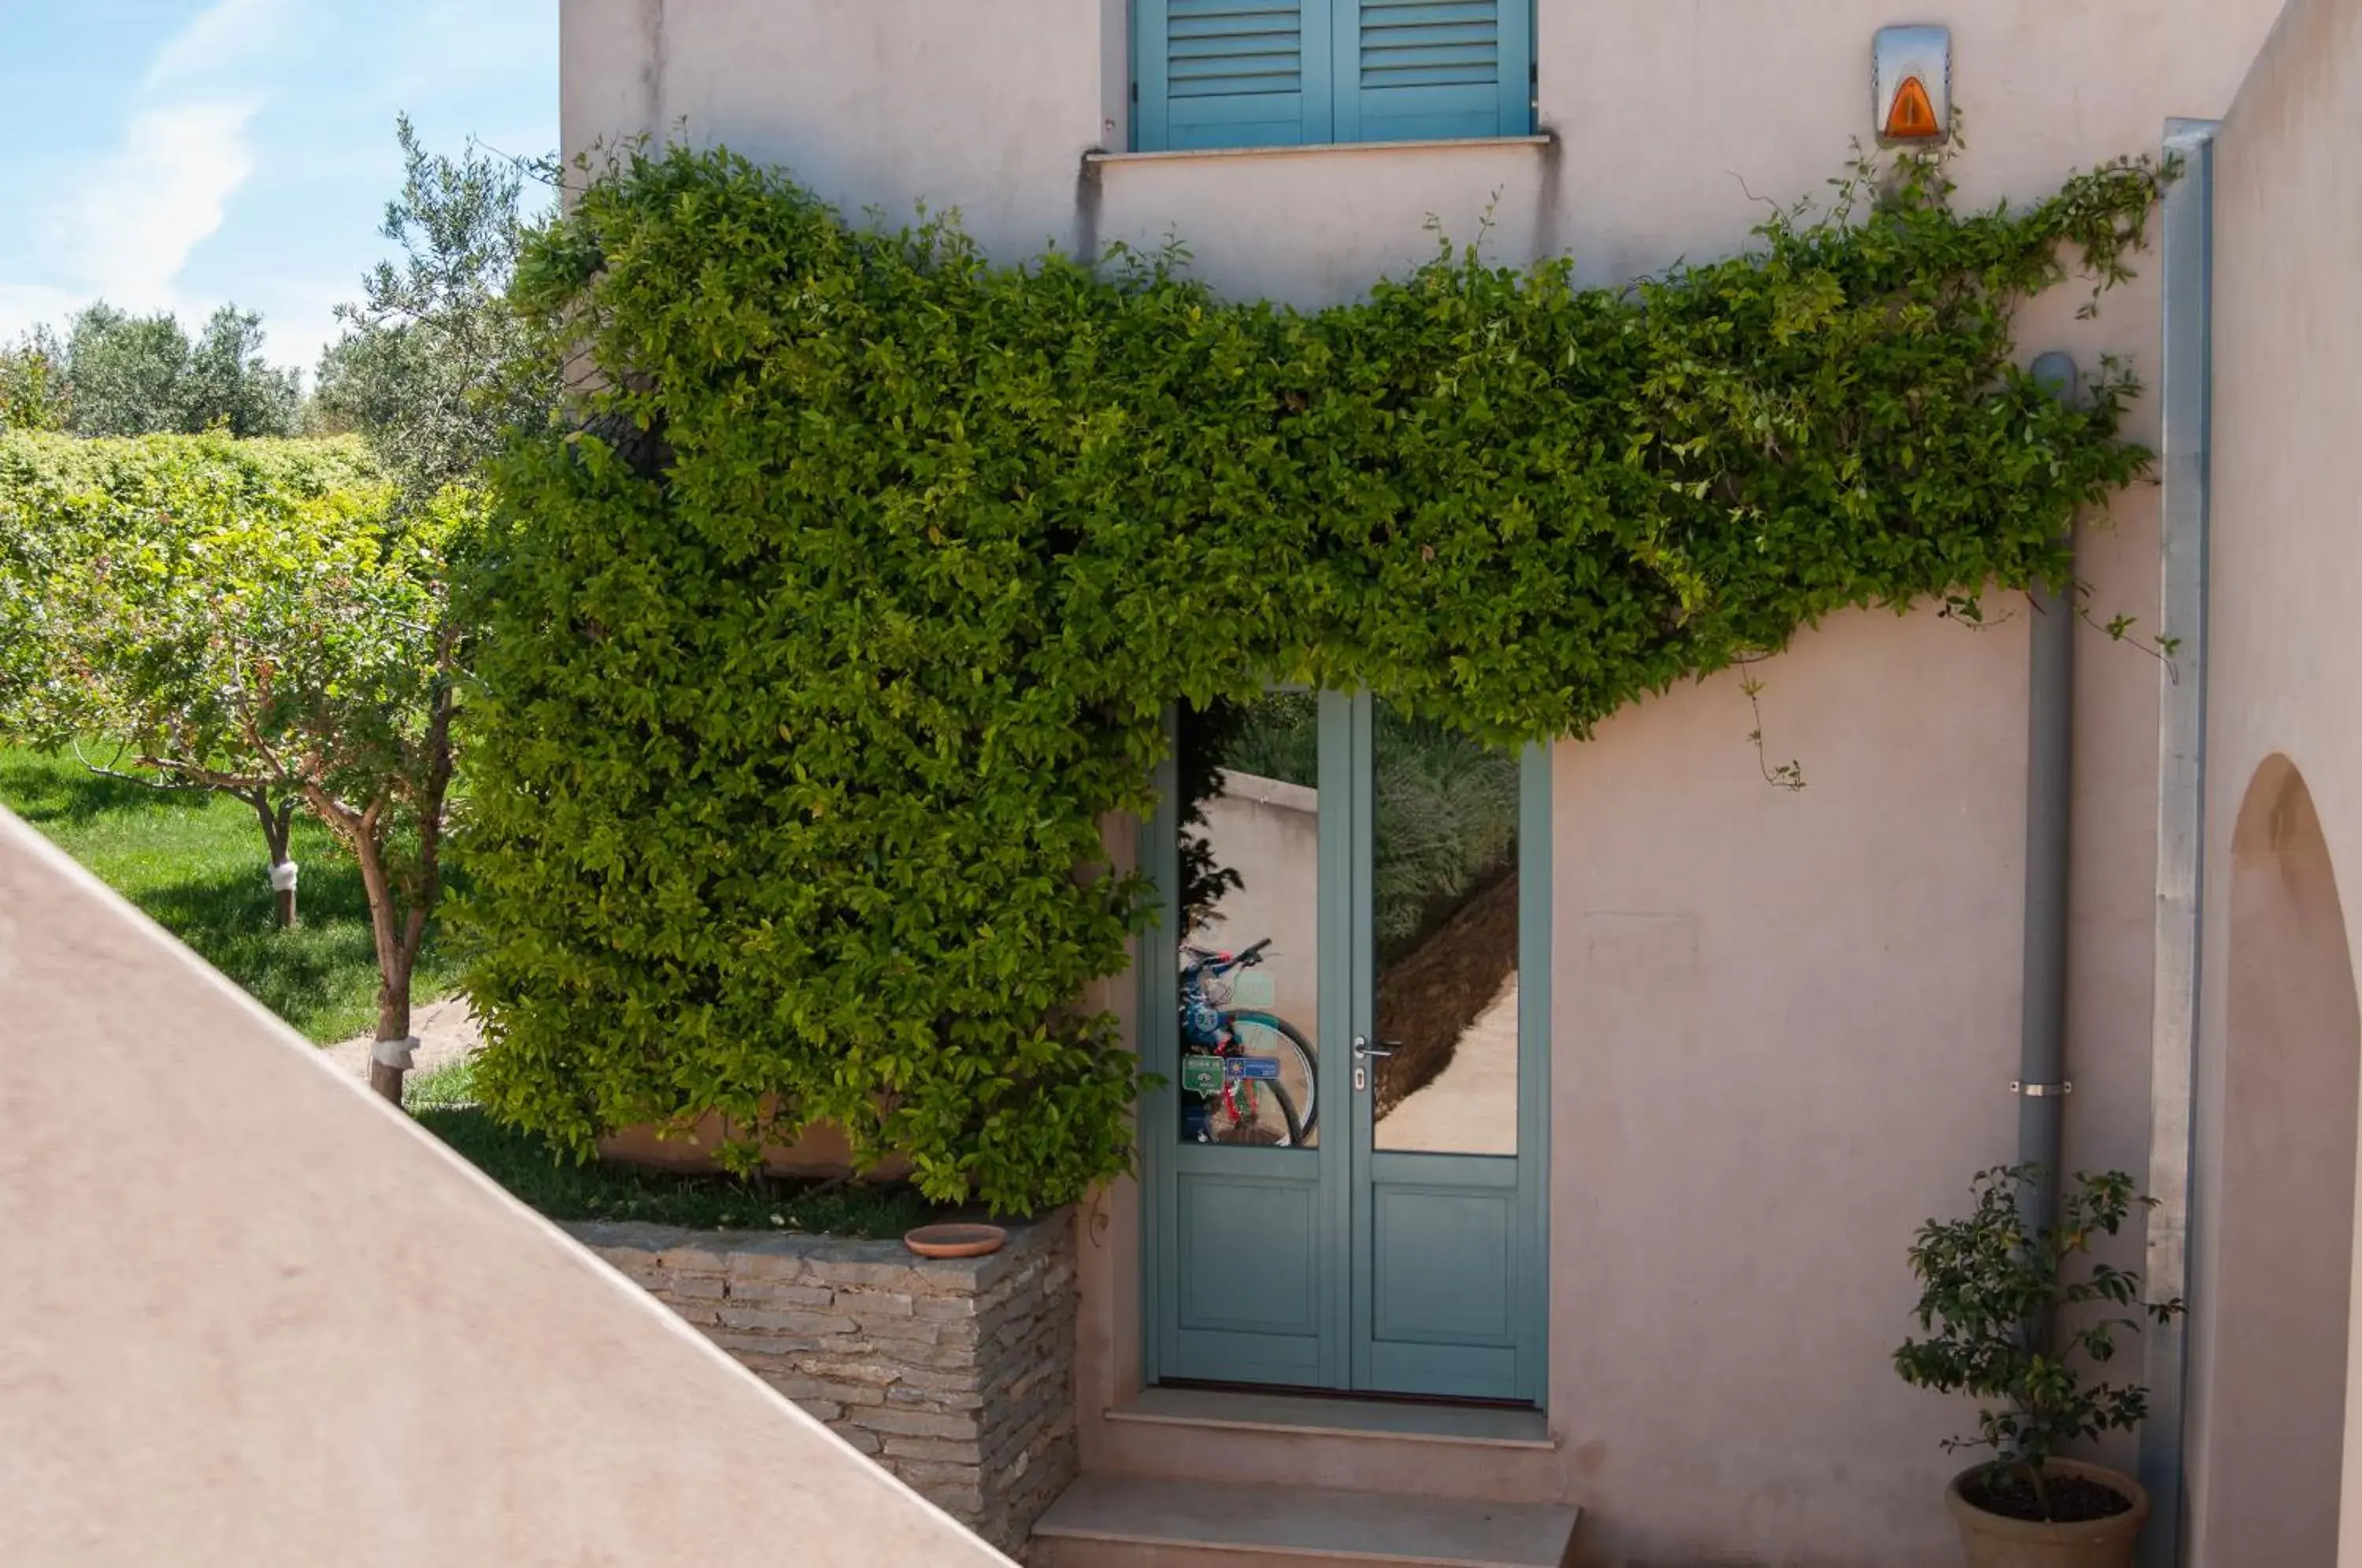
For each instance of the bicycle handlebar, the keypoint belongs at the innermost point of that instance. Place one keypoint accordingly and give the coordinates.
(1222, 963)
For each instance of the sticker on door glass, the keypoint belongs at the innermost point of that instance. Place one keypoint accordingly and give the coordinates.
(1201, 1073)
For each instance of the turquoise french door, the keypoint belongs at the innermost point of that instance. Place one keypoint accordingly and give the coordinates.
(1348, 1003)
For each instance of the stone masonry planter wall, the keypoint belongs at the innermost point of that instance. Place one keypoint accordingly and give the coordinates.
(955, 1375)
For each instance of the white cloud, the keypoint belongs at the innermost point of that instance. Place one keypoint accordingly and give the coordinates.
(223, 35)
(243, 119)
(123, 226)
(128, 231)
(24, 306)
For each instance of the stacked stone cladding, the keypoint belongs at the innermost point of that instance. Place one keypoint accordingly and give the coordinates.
(956, 1375)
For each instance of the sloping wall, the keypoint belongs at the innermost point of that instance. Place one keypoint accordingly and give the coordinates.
(2285, 721)
(250, 1316)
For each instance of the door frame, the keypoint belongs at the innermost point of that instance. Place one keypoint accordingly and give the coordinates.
(1346, 1362)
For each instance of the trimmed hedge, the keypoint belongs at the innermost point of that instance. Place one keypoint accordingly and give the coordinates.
(153, 467)
(818, 657)
(73, 510)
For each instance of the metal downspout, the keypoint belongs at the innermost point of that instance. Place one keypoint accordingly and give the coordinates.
(2042, 1084)
(2186, 383)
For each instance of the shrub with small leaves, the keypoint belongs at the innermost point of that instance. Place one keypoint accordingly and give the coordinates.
(822, 649)
(1991, 1286)
(251, 617)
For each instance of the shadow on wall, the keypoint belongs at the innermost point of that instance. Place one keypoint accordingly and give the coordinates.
(2293, 1052)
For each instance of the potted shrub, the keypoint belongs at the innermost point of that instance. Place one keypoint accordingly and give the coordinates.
(2021, 1317)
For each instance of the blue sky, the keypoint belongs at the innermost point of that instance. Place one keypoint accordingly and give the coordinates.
(176, 154)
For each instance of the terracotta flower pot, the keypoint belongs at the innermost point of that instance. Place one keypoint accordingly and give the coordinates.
(1997, 1541)
(955, 1241)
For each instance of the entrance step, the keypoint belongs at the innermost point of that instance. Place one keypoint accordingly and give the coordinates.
(1130, 1521)
(1243, 1410)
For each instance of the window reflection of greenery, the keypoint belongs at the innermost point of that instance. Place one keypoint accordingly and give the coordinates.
(1447, 827)
(1447, 807)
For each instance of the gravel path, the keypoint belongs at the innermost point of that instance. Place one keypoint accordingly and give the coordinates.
(447, 1030)
(1470, 1108)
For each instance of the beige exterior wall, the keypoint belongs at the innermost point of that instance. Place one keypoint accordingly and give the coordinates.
(2284, 800)
(1785, 1022)
(1269, 832)
(255, 1317)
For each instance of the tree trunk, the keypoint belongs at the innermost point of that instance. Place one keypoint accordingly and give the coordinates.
(394, 958)
(392, 1024)
(394, 966)
(399, 933)
(276, 825)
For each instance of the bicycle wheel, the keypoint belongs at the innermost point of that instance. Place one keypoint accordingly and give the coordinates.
(1250, 1112)
(1261, 1033)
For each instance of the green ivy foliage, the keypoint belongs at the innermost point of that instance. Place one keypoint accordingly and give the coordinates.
(820, 656)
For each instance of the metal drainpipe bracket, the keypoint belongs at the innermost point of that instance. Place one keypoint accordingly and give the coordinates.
(2039, 1091)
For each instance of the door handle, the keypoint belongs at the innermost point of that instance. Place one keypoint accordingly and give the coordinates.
(1363, 1051)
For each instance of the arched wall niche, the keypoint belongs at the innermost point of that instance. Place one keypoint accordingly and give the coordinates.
(2283, 1243)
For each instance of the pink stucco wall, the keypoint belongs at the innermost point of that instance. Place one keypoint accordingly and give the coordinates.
(1785, 1022)
(2285, 704)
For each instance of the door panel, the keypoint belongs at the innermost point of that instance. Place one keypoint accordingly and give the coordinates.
(1440, 1264)
(1451, 1013)
(1348, 1001)
(1248, 1247)
(1247, 1263)
(1443, 913)
(1447, 1372)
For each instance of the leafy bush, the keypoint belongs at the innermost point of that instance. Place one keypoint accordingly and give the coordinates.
(237, 620)
(820, 655)
(66, 505)
(1990, 1288)
(155, 469)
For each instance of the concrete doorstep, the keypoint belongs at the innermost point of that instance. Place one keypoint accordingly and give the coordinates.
(1127, 1521)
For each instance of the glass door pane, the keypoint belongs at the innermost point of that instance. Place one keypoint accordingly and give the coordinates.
(1444, 939)
(1249, 977)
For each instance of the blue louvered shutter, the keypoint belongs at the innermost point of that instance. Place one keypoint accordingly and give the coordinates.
(1412, 70)
(1232, 73)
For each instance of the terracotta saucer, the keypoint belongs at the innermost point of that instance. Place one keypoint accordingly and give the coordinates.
(955, 1241)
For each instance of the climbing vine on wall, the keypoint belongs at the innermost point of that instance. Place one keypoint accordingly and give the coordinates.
(826, 645)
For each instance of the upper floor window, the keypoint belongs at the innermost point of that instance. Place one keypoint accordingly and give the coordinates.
(1290, 73)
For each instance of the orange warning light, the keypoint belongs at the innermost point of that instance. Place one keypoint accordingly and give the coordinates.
(1913, 119)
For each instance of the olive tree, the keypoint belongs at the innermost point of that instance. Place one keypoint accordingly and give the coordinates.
(435, 368)
(133, 375)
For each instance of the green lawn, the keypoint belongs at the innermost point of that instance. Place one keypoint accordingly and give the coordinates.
(195, 863)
